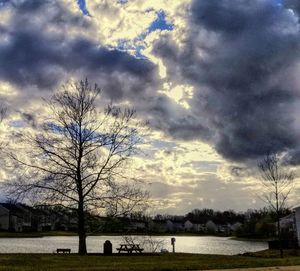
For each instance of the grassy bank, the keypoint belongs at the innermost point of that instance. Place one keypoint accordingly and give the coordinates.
(47, 262)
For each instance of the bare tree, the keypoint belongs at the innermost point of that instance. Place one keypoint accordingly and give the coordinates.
(278, 183)
(153, 244)
(77, 159)
(148, 242)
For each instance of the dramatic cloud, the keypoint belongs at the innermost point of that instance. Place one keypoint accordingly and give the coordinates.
(47, 43)
(44, 45)
(240, 58)
(243, 60)
(218, 80)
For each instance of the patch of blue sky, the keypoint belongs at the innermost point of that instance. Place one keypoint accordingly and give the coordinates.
(74, 131)
(124, 45)
(161, 144)
(17, 124)
(139, 52)
(3, 2)
(55, 128)
(167, 146)
(208, 166)
(277, 3)
(83, 8)
(122, 2)
(160, 23)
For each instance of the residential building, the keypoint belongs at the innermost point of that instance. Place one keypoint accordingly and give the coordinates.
(13, 217)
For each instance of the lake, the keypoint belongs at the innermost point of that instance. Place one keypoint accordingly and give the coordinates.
(187, 244)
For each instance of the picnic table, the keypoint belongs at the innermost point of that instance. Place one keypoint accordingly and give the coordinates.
(129, 248)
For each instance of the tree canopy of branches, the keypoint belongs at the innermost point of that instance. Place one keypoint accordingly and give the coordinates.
(277, 181)
(78, 157)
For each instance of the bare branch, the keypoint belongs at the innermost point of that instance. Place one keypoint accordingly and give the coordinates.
(277, 181)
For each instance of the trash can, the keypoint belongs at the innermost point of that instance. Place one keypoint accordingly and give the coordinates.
(107, 247)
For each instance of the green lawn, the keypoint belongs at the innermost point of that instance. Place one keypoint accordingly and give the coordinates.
(47, 262)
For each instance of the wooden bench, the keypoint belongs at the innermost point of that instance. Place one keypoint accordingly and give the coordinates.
(129, 248)
(63, 250)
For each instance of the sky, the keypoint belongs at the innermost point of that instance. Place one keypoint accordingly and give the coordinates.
(218, 81)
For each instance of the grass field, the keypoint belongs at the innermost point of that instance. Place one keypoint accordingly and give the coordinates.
(72, 262)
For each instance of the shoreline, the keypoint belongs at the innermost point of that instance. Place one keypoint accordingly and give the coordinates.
(7, 234)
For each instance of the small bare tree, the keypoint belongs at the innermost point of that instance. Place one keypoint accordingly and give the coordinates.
(278, 183)
(77, 159)
(153, 244)
(149, 243)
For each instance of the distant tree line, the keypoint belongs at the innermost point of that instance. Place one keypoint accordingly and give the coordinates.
(259, 223)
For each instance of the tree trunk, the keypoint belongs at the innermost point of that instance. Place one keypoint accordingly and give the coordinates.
(279, 236)
(81, 230)
(278, 219)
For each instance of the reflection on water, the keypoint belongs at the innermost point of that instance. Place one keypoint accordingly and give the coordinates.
(187, 244)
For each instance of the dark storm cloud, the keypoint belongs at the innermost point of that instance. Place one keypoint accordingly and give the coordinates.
(34, 59)
(292, 4)
(165, 114)
(292, 157)
(241, 57)
(39, 51)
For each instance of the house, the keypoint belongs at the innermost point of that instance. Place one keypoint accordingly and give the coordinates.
(225, 228)
(287, 221)
(165, 225)
(135, 225)
(290, 225)
(42, 220)
(64, 220)
(26, 216)
(170, 225)
(13, 217)
(174, 225)
(4, 218)
(188, 225)
(20, 217)
(199, 227)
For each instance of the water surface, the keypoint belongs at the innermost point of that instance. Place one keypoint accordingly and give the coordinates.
(187, 244)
